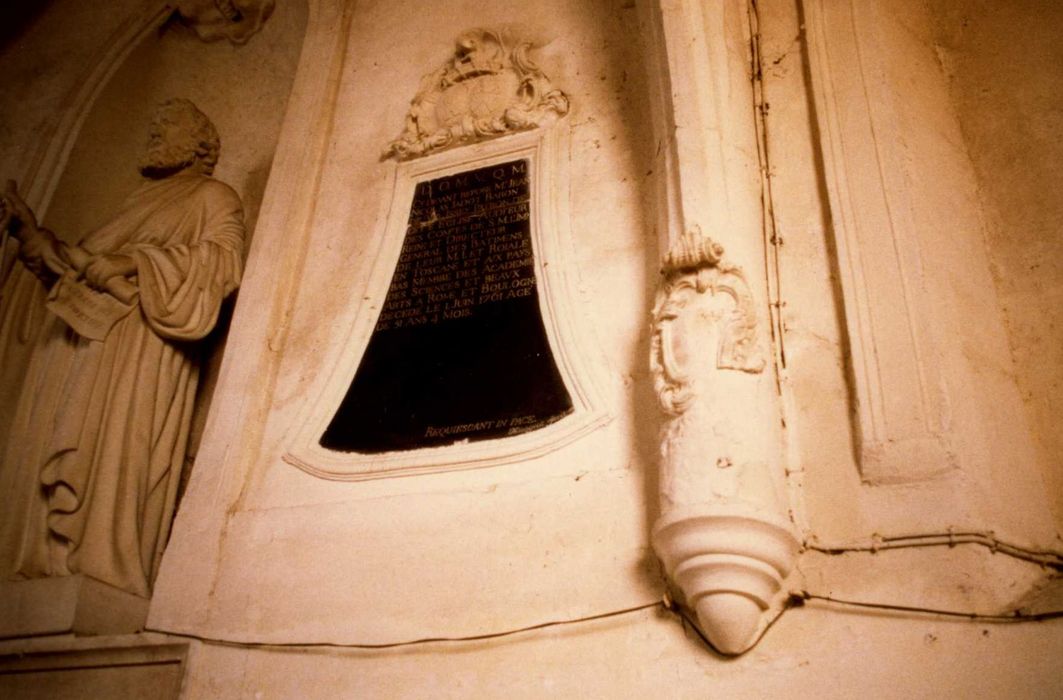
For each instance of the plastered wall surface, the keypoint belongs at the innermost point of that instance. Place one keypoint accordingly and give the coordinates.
(809, 653)
(1001, 60)
(830, 501)
(43, 72)
(969, 325)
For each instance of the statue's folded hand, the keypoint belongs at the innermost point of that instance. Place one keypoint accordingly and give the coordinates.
(104, 267)
(6, 216)
(15, 208)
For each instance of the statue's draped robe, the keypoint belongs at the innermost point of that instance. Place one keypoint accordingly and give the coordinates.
(93, 457)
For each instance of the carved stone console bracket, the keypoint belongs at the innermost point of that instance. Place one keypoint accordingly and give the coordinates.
(728, 563)
(235, 20)
(722, 538)
(489, 87)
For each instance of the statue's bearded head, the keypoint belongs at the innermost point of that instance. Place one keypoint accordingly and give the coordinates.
(180, 136)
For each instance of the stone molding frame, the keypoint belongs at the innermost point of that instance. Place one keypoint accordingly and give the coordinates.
(902, 414)
(489, 87)
(576, 356)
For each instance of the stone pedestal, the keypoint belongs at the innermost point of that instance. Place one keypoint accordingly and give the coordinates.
(128, 666)
(68, 604)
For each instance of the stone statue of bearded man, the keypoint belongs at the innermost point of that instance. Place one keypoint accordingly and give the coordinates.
(93, 447)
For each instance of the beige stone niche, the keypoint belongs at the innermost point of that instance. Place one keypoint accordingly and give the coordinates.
(84, 166)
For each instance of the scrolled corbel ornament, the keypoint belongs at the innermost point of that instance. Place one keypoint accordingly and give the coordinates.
(235, 20)
(693, 266)
(489, 87)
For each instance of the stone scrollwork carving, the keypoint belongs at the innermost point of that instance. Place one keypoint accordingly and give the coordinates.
(235, 20)
(489, 87)
(693, 266)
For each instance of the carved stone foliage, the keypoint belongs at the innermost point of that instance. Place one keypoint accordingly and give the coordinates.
(235, 20)
(693, 266)
(488, 88)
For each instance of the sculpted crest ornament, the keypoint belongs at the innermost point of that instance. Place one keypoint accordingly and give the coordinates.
(695, 265)
(488, 88)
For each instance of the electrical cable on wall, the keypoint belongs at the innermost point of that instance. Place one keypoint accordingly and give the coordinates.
(796, 599)
(414, 642)
(949, 538)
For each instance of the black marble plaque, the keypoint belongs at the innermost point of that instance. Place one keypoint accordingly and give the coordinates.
(459, 351)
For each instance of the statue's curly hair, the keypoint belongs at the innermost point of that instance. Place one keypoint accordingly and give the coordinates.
(208, 143)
